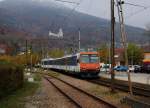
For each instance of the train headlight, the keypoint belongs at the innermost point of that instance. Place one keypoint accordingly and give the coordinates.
(97, 68)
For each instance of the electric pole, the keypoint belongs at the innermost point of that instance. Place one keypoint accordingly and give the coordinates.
(112, 45)
(26, 53)
(124, 39)
(79, 39)
(31, 57)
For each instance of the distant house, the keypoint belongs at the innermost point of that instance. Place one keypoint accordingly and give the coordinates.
(4, 49)
(146, 49)
(146, 57)
(119, 59)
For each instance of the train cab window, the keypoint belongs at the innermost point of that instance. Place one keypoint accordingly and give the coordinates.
(89, 58)
(94, 58)
(84, 58)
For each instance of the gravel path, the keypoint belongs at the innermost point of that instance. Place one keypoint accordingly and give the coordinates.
(48, 97)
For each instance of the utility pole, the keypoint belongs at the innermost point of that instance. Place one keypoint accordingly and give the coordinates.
(112, 45)
(26, 53)
(124, 40)
(132, 58)
(79, 39)
(31, 57)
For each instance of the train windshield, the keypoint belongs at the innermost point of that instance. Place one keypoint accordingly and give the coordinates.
(89, 58)
(94, 58)
(85, 58)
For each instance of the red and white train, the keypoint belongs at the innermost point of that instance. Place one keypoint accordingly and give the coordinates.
(84, 64)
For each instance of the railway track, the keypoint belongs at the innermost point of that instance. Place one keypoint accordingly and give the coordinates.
(138, 89)
(79, 97)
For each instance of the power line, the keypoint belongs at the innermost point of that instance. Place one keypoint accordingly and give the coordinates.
(68, 1)
(73, 9)
(137, 12)
(66, 16)
(136, 5)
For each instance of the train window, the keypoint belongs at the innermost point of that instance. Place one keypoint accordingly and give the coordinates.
(45, 62)
(49, 62)
(74, 60)
(89, 58)
(84, 58)
(94, 58)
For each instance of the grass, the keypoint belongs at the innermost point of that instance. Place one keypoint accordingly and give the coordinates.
(106, 94)
(17, 98)
(52, 73)
(37, 77)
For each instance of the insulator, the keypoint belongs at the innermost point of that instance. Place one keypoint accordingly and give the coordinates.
(120, 2)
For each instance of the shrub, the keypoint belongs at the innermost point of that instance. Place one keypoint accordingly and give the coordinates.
(11, 77)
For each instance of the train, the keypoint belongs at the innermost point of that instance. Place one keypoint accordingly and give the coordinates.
(83, 64)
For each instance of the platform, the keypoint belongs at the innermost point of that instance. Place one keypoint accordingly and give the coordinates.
(135, 77)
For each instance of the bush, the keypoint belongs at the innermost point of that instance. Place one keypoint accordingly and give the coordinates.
(11, 77)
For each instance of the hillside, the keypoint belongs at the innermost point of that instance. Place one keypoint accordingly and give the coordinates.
(34, 19)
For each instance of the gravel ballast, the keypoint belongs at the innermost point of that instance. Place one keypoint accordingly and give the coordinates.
(47, 96)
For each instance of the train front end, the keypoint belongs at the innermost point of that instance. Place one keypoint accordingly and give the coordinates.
(89, 64)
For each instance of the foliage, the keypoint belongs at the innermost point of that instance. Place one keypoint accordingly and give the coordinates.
(21, 59)
(56, 53)
(11, 77)
(135, 54)
(16, 99)
(104, 53)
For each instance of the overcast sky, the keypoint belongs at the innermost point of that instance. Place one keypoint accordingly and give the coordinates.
(101, 8)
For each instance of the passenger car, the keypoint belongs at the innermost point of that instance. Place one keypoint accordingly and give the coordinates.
(105, 68)
(121, 68)
(137, 68)
(131, 68)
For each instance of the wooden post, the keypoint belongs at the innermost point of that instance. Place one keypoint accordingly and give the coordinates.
(112, 46)
(124, 40)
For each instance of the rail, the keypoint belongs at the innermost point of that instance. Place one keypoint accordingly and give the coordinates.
(97, 99)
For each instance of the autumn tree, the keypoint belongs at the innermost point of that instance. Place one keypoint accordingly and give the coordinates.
(135, 54)
(56, 53)
(22, 59)
(104, 53)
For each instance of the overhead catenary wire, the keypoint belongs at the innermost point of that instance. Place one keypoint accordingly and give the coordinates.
(68, 1)
(70, 12)
(73, 9)
(136, 5)
(137, 12)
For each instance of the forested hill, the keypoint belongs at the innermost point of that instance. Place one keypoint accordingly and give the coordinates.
(36, 18)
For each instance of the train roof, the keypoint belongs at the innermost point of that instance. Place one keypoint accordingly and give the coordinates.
(88, 52)
(47, 59)
(60, 57)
